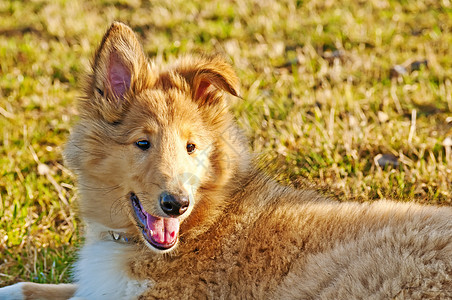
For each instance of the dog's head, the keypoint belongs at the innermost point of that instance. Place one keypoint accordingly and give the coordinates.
(155, 147)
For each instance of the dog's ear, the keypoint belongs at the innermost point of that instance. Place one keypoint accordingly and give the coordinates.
(207, 76)
(119, 65)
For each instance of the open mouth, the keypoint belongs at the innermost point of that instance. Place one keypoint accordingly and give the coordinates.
(160, 233)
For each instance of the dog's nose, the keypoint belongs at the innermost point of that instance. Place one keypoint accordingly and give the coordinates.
(173, 205)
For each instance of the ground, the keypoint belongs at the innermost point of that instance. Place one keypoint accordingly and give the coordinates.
(332, 91)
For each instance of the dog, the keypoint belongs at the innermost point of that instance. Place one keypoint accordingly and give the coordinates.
(175, 207)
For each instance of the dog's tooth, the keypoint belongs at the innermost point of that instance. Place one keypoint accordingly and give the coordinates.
(116, 236)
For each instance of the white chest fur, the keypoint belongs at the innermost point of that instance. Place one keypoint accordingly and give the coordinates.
(101, 273)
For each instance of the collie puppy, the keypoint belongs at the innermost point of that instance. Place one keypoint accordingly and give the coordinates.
(175, 208)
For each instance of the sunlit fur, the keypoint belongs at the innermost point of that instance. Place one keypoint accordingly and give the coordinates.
(244, 236)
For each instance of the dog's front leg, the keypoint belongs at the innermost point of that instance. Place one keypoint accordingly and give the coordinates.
(36, 291)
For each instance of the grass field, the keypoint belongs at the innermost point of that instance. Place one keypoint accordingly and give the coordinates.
(330, 89)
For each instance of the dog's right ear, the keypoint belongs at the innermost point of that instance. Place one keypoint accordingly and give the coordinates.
(119, 68)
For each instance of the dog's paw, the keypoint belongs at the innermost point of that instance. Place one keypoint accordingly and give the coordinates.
(12, 292)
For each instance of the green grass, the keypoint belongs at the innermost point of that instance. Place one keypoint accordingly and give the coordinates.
(319, 101)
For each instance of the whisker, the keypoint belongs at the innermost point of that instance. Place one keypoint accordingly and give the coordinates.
(118, 205)
(107, 189)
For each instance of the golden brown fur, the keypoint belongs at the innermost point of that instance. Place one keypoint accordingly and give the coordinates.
(246, 236)
(296, 245)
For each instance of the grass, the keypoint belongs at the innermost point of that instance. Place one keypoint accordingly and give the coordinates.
(320, 102)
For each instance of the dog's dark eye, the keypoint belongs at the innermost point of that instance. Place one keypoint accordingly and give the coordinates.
(191, 148)
(143, 144)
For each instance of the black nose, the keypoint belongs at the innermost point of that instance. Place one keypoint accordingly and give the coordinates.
(173, 205)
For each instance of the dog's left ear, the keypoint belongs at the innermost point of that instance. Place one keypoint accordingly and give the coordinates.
(207, 76)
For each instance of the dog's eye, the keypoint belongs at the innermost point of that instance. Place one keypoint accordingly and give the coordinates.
(143, 144)
(191, 148)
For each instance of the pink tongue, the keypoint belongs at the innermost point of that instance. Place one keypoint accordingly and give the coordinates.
(162, 230)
